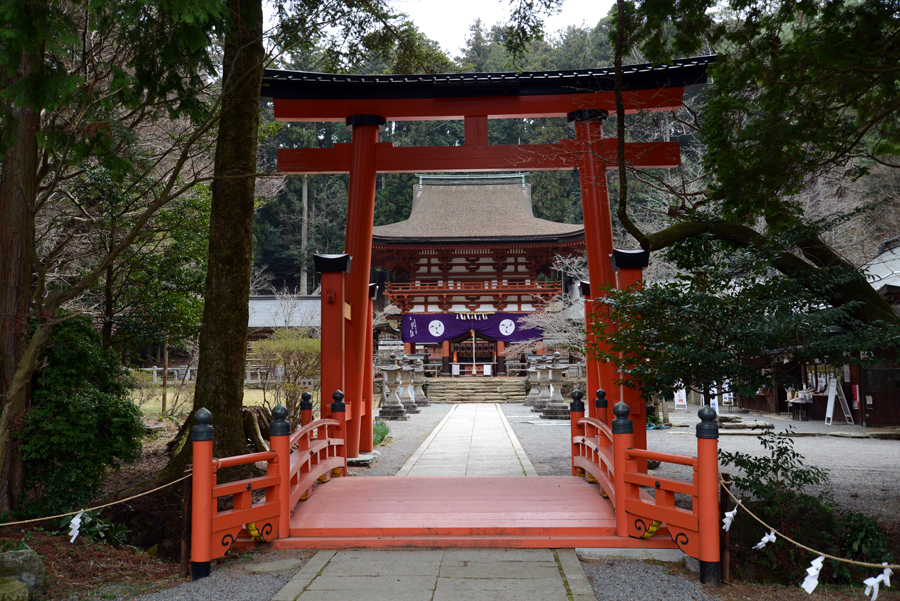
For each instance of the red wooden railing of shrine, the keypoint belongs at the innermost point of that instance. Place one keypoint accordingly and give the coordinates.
(318, 454)
(482, 286)
(603, 452)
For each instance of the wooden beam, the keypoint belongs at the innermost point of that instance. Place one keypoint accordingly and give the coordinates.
(530, 157)
(495, 107)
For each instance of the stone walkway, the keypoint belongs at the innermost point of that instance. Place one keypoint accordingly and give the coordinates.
(440, 575)
(472, 440)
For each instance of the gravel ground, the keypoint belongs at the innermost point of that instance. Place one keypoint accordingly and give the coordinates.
(545, 440)
(630, 580)
(230, 581)
(864, 472)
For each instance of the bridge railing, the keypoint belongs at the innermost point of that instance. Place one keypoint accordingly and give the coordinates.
(314, 452)
(605, 454)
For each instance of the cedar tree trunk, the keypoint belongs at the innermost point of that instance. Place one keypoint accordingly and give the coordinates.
(223, 335)
(18, 175)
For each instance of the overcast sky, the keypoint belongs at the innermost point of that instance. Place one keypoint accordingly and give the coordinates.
(448, 21)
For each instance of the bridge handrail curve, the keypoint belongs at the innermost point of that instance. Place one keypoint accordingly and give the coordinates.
(314, 425)
(662, 457)
(247, 459)
(601, 427)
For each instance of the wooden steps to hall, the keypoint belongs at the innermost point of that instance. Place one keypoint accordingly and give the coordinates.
(485, 512)
(468, 389)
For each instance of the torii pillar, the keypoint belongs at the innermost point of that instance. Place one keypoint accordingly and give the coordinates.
(358, 244)
(598, 236)
(630, 265)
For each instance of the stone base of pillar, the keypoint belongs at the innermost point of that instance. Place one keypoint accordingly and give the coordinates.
(537, 406)
(410, 407)
(422, 402)
(555, 411)
(393, 412)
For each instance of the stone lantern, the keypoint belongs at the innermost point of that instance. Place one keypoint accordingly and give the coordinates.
(557, 379)
(543, 378)
(531, 376)
(418, 382)
(557, 408)
(406, 379)
(392, 409)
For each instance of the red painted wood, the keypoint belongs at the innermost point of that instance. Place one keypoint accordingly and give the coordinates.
(333, 336)
(358, 244)
(526, 157)
(476, 130)
(365, 432)
(203, 505)
(707, 489)
(660, 541)
(632, 279)
(495, 107)
(382, 512)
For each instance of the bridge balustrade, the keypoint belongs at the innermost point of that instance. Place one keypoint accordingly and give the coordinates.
(314, 452)
(605, 454)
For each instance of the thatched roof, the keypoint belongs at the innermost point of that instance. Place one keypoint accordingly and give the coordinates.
(459, 209)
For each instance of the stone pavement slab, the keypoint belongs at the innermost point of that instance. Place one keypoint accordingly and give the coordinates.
(382, 582)
(344, 595)
(270, 567)
(579, 585)
(472, 440)
(439, 575)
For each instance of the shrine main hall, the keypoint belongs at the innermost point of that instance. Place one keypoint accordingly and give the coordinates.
(468, 264)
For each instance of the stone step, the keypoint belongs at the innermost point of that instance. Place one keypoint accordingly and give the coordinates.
(476, 390)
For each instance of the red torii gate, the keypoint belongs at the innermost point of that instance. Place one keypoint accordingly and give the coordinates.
(604, 450)
(366, 102)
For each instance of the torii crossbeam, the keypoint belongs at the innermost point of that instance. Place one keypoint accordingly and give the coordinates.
(365, 102)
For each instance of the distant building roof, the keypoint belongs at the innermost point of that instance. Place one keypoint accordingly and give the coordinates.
(884, 270)
(284, 311)
(467, 208)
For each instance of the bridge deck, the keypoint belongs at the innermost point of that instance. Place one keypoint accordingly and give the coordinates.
(525, 512)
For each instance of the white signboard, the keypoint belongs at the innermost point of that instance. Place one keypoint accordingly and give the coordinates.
(680, 399)
(487, 370)
(727, 395)
(714, 399)
(454, 369)
(832, 393)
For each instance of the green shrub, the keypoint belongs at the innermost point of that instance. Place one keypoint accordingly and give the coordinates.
(81, 421)
(380, 431)
(289, 356)
(779, 478)
(861, 540)
(779, 483)
(96, 529)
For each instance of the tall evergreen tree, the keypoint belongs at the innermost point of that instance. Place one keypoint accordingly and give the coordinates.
(71, 98)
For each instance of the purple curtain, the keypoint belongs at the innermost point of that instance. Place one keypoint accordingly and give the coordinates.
(437, 327)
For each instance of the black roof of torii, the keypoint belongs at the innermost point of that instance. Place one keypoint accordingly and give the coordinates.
(685, 73)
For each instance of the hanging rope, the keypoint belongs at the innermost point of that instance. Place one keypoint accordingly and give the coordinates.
(65, 515)
(864, 564)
